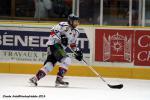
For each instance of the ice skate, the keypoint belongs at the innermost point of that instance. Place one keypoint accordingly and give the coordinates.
(33, 81)
(60, 83)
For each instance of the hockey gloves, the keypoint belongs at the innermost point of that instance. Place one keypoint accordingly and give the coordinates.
(64, 40)
(79, 54)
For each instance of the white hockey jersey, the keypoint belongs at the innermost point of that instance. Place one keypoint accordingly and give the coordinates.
(63, 28)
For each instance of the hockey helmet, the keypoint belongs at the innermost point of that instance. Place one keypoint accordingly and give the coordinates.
(73, 17)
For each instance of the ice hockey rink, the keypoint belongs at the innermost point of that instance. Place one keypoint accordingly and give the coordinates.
(16, 87)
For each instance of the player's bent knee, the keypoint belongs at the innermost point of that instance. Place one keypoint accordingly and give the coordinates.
(65, 62)
(48, 67)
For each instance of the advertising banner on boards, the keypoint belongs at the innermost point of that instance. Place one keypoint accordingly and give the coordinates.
(30, 46)
(113, 45)
(142, 48)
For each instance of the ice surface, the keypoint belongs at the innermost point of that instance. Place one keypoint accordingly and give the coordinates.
(16, 87)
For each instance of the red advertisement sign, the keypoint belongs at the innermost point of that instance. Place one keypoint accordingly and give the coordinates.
(142, 48)
(112, 45)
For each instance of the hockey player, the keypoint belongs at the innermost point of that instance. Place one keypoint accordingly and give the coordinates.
(63, 35)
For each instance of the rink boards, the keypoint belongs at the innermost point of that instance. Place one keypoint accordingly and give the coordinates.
(78, 70)
(111, 51)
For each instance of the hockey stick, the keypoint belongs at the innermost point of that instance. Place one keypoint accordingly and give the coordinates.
(119, 86)
(98, 75)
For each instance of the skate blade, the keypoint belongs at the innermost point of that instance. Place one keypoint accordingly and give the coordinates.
(32, 84)
(61, 86)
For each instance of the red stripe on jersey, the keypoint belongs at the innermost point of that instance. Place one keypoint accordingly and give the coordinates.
(52, 33)
(73, 45)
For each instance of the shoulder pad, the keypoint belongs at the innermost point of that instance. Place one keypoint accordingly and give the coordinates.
(63, 24)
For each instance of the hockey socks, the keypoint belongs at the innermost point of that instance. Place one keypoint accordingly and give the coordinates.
(40, 74)
(61, 72)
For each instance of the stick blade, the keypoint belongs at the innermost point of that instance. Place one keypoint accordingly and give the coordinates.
(120, 86)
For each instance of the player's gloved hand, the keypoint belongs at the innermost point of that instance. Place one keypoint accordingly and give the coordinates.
(64, 40)
(79, 54)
